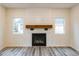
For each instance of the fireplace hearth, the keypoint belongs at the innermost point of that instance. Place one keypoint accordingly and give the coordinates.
(38, 39)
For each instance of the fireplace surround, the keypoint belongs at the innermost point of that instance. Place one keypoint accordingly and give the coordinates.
(38, 39)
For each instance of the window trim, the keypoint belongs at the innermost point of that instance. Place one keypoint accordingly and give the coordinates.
(63, 25)
(12, 26)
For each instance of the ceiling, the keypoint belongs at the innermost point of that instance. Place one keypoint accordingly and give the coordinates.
(38, 5)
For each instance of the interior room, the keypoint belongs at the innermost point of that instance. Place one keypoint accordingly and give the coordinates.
(39, 29)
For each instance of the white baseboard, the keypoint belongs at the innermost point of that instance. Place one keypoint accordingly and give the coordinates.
(31, 46)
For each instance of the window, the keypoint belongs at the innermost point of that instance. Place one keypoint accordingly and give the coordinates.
(59, 26)
(18, 25)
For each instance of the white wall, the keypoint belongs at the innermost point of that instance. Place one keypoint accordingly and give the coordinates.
(28, 15)
(2, 20)
(75, 27)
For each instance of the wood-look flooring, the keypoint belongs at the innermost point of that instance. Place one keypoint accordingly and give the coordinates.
(38, 51)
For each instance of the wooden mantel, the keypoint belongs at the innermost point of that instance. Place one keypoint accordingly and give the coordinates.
(39, 26)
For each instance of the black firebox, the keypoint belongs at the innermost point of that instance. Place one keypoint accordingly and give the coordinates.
(38, 39)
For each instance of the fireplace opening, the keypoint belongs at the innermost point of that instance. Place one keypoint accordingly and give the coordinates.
(39, 39)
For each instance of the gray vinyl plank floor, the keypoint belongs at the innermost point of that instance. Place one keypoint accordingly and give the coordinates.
(39, 51)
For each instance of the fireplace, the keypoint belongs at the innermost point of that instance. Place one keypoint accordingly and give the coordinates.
(39, 39)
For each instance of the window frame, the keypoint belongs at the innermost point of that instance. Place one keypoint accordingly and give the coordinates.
(63, 25)
(16, 33)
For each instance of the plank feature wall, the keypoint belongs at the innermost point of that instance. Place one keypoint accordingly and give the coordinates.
(32, 16)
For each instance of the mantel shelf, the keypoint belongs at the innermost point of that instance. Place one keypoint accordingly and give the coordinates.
(38, 26)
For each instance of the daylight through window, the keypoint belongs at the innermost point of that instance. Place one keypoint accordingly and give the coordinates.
(59, 26)
(18, 25)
